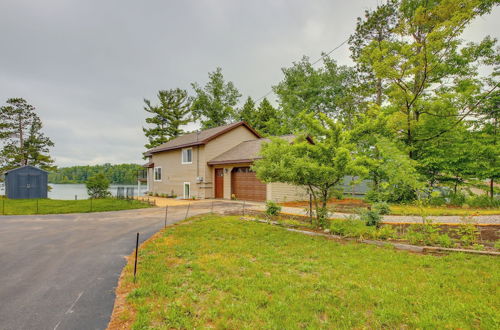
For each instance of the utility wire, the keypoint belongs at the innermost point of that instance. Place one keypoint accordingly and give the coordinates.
(313, 63)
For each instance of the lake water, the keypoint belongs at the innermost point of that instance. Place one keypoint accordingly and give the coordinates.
(68, 191)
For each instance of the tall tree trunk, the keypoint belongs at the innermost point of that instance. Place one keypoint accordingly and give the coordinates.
(492, 181)
(21, 141)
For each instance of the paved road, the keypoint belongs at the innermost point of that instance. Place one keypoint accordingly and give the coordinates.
(60, 271)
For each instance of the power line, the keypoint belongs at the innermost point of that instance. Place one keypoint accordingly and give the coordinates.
(313, 63)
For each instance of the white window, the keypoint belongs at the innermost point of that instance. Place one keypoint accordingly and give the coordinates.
(187, 190)
(157, 173)
(187, 156)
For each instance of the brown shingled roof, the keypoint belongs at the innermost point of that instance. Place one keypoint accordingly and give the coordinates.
(245, 152)
(198, 138)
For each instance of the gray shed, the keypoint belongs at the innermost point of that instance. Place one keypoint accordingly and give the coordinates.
(26, 182)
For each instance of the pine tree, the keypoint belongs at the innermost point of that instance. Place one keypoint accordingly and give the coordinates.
(248, 112)
(22, 138)
(172, 112)
(215, 103)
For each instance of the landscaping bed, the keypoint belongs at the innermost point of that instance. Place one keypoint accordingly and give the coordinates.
(54, 206)
(353, 205)
(221, 272)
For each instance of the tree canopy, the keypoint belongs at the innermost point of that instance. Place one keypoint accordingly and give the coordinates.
(21, 137)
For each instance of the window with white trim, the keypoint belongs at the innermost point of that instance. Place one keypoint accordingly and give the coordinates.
(187, 156)
(157, 174)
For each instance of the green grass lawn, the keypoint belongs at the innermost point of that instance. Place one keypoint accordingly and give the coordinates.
(52, 206)
(441, 210)
(223, 272)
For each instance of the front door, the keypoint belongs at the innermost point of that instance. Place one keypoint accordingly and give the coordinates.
(219, 183)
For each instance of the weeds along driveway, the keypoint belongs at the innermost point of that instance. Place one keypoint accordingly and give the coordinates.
(60, 271)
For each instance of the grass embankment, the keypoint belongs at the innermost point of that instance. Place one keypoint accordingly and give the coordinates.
(53, 206)
(352, 205)
(222, 272)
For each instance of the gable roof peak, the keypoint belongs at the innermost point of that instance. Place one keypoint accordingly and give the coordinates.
(199, 137)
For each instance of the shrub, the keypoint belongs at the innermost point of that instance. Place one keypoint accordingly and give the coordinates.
(97, 186)
(352, 228)
(436, 199)
(386, 232)
(272, 209)
(497, 245)
(370, 217)
(483, 201)
(467, 234)
(457, 199)
(426, 233)
(444, 240)
(381, 208)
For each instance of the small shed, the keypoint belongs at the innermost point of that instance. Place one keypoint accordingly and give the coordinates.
(26, 182)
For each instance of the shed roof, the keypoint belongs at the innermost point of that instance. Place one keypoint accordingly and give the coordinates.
(245, 152)
(198, 138)
(24, 167)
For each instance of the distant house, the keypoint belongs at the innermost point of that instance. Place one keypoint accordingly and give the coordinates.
(26, 182)
(215, 163)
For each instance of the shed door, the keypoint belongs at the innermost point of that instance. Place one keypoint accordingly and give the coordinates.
(246, 186)
(24, 185)
(34, 185)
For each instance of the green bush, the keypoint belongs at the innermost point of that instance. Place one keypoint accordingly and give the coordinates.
(457, 199)
(386, 232)
(423, 234)
(444, 240)
(352, 228)
(381, 208)
(370, 217)
(272, 209)
(468, 234)
(436, 199)
(483, 201)
(98, 186)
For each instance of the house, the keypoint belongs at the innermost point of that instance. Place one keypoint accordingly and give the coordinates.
(215, 163)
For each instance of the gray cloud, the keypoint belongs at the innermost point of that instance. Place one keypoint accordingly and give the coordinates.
(87, 65)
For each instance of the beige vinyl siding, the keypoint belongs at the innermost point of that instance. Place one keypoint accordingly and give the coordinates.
(284, 192)
(216, 147)
(174, 173)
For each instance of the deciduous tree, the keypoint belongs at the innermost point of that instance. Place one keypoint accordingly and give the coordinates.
(319, 166)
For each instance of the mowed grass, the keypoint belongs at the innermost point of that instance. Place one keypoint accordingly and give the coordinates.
(441, 210)
(222, 272)
(52, 206)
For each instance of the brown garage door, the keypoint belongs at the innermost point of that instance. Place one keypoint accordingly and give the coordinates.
(246, 186)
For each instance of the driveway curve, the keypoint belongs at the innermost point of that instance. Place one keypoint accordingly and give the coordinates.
(60, 271)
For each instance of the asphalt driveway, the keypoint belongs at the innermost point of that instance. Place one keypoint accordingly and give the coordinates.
(60, 271)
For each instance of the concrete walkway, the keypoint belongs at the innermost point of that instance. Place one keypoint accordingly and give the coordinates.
(449, 219)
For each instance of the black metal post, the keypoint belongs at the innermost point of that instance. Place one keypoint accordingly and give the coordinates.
(76, 197)
(37, 206)
(3, 206)
(90, 204)
(243, 210)
(136, 250)
(187, 211)
(166, 215)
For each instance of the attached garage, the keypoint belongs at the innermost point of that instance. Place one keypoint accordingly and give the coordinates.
(246, 186)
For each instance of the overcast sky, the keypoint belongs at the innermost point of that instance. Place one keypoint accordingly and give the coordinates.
(87, 65)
